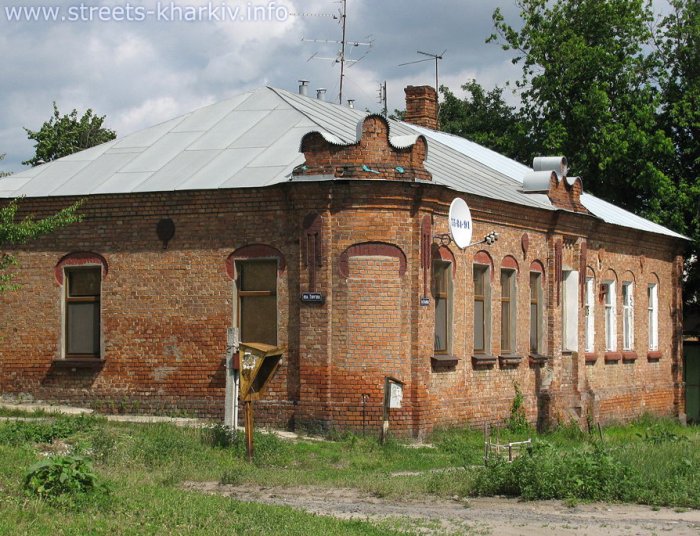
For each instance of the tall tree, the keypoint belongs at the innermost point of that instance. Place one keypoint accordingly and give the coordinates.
(66, 134)
(484, 117)
(586, 93)
(15, 232)
(678, 72)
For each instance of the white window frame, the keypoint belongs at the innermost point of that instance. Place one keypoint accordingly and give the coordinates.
(653, 315)
(569, 310)
(589, 327)
(610, 316)
(628, 315)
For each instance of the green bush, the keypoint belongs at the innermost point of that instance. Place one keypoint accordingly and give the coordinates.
(59, 475)
(517, 421)
(542, 472)
(44, 431)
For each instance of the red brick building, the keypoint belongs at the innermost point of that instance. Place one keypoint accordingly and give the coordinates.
(228, 215)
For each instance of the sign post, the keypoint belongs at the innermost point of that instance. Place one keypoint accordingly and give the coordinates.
(231, 401)
(258, 363)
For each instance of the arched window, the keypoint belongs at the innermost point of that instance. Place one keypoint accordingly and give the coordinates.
(509, 302)
(443, 266)
(81, 275)
(482, 272)
(536, 308)
(255, 269)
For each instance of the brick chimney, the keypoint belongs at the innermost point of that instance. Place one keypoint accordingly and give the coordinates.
(422, 106)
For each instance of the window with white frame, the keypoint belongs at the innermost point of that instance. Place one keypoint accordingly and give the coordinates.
(589, 328)
(610, 298)
(570, 297)
(653, 312)
(627, 315)
(83, 289)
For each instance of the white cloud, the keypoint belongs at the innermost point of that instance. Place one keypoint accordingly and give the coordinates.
(142, 73)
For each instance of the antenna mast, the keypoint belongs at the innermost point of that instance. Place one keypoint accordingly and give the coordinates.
(341, 57)
(435, 57)
(343, 20)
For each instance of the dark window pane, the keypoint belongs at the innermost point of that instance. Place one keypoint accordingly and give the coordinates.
(440, 324)
(479, 281)
(84, 282)
(534, 323)
(83, 328)
(505, 283)
(505, 326)
(479, 326)
(259, 319)
(258, 275)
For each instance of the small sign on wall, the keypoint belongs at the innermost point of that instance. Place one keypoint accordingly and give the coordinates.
(395, 395)
(424, 301)
(312, 297)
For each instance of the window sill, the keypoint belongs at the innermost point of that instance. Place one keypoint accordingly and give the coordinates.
(612, 357)
(483, 360)
(591, 357)
(537, 359)
(509, 360)
(79, 363)
(629, 356)
(654, 355)
(444, 360)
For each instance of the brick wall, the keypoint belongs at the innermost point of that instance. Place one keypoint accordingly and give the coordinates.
(165, 311)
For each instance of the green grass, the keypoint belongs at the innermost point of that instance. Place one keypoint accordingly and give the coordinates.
(652, 462)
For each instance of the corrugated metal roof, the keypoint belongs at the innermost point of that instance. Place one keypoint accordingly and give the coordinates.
(253, 140)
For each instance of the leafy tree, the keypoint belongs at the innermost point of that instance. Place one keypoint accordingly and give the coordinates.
(485, 118)
(67, 134)
(678, 72)
(586, 93)
(13, 232)
(3, 173)
(594, 87)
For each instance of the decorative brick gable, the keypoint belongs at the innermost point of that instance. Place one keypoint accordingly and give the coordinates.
(373, 156)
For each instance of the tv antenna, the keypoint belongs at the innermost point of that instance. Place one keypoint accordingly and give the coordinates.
(341, 57)
(430, 57)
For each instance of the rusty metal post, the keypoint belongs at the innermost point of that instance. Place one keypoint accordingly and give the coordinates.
(249, 429)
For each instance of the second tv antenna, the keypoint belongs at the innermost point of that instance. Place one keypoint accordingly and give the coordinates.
(430, 57)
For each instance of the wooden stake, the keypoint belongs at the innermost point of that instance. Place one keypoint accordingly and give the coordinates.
(249, 429)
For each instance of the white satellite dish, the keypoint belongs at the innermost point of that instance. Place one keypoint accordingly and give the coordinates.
(460, 223)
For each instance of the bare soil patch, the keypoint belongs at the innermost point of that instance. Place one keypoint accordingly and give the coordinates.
(492, 515)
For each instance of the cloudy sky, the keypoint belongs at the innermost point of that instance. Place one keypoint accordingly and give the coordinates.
(141, 62)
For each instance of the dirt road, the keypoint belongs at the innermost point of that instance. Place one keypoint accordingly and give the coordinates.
(501, 516)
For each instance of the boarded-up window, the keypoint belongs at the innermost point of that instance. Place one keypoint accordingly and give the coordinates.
(83, 286)
(257, 300)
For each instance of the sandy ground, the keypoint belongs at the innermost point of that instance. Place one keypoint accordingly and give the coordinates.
(498, 516)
